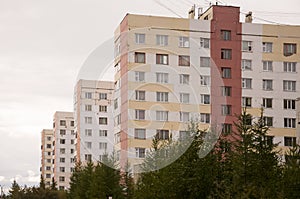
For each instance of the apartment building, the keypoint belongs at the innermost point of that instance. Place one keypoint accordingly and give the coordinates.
(63, 148)
(298, 119)
(172, 70)
(94, 121)
(46, 155)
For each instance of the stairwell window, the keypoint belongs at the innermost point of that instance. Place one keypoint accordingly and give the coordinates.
(226, 53)
(226, 35)
(289, 49)
(267, 47)
(226, 109)
(226, 73)
(184, 42)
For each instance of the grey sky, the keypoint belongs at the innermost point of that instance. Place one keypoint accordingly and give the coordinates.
(42, 47)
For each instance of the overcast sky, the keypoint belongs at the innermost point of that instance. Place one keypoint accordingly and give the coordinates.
(43, 44)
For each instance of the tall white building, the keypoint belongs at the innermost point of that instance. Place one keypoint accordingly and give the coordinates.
(63, 148)
(46, 156)
(93, 108)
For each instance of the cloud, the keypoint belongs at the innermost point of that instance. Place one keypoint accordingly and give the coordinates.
(2, 178)
(31, 177)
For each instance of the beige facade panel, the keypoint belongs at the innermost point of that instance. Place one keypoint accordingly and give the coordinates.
(139, 67)
(151, 87)
(139, 143)
(283, 132)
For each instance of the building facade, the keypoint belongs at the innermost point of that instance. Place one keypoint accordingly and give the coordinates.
(46, 155)
(171, 70)
(63, 148)
(94, 121)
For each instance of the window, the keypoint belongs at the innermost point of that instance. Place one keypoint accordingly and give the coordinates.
(72, 123)
(226, 53)
(289, 141)
(118, 137)
(226, 128)
(162, 77)
(88, 157)
(162, 115)
(139, 57)
(184, 42)
(247, 46)
(226, 109)
(246, 101)
(267, 66)
(246, 83)
(162, 40)
(204, 42)
(268, 121)
(140, 152)
(88, 120)
(289, 85)
(289, 67)
(204, 80)
(62, 123)
(140, 134)
(205, 99)
(88, 145)
(205, 118)
(48, 168)
(102, 157)
(72, 141)
(88, 132)
(184, 135)
(62, 132)
(184, 79)
(289, 104)
(48, 175)
(48, 160)
(62, 141)
(162, 134)
(88, 95)
(88, 107)
(162, 59)
(139, 76)
(184, 116)
(267, 47)
(62, 160)
(267, 102)
(103, 145)
(48, 146)
(184, 98)
(140, 95)
(103, 120)
(269, 140)
(139, 114)
(226, 91)
(115, 104)
(103, 96)
(226, 73)
(289, 49)
(102, 133)
(267, 84)
(140, 38)
(183, 60)
(289, 123)
(204, 62)
(117, 120)
(71, 151)
(102, 108)
(162, 96)
(49, 138)
(246, 64)
(226, 35)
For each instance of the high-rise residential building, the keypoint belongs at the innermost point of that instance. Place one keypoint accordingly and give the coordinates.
(46, 158)
(94, 121)
(63, 148)
(298, 120)
(170, 70)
